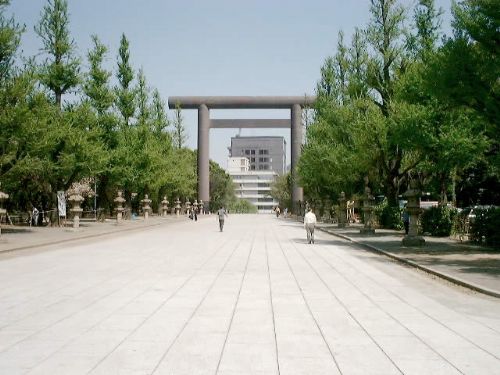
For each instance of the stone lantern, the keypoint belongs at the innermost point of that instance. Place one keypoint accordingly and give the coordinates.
(188, 206)
(414, 211)
(177, 207)
(3, 211)
(164, 206)
(342, 211)
(75, 200)
(145, 206)
(119, 200)
(202, 211)
(367, 209)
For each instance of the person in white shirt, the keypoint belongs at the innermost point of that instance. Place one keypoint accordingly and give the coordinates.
(309, 223)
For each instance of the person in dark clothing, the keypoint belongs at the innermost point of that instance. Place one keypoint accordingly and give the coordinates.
(406, 219)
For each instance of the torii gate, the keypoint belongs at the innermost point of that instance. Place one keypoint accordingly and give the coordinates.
(204, 103)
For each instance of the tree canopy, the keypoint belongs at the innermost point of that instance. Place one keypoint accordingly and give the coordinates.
(114, 130)
(395, 104)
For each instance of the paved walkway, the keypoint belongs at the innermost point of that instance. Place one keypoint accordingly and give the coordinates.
(183, 298)
(476, 266)
(24, 237)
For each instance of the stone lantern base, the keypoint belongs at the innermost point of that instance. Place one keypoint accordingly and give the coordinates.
(76, 218)
(410, 241)
(119, 216)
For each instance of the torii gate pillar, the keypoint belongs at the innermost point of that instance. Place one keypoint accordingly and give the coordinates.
(203, 155)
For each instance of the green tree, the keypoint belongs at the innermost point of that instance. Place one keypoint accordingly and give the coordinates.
(125, 95)
(357, 67)
(99, 94)
(242, 206)
(179, 132)
(281, 190)
(385, 34)
(364, 123)
(96, 86)
(60, 72)
(463, 76)
(428, 23)
(466, 70)
(10, 38)
(159, 117)
(142, 98)
(221, 187)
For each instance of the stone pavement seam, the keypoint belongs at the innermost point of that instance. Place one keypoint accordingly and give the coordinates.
(235, 306)
(395, 318)
(210, 287)
(341, 303)
(442, 275)
(272, 305)
(399, 297)
(318, 327)
(184, 283)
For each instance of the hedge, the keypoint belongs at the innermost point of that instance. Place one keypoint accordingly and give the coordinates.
(438, 221)
(486, 227)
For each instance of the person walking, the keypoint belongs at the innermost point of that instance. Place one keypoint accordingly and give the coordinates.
(34, 216)
(309, 224)
(406, 219)
(221, 214)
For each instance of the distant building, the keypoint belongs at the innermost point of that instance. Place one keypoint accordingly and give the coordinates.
(239, 164)
(255, 187)
(264, 153)
(254, 163)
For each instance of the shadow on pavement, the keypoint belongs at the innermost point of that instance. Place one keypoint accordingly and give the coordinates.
(490, 267)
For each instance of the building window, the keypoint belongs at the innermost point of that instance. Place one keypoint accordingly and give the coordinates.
(263, 160)
(242, 162)
(252, 160)
(247, 152)
(252, 152)
(265, 200)
(252, 167)
(263, 152)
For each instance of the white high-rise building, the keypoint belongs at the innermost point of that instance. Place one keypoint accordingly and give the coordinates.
(253, 173)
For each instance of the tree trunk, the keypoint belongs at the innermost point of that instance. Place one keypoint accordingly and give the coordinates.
(443, 185)
(59, 100)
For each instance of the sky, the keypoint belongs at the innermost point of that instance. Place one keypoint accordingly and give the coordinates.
(215, 47)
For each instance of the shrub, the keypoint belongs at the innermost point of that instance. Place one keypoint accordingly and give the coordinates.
(485, 227)
(390, 217)
(438, 221)
(242, 206)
